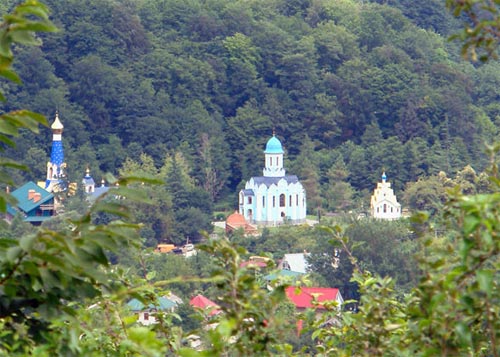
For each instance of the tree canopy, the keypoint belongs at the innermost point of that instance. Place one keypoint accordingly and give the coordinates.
(215, 78)
(64, 285)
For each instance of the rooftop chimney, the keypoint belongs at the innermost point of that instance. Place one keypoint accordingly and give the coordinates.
(31, 194)
(37, 197)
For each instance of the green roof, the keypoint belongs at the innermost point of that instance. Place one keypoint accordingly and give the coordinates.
(27, 205)
(283, 274)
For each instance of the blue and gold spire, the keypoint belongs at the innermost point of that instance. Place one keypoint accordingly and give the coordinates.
(56, 165)
(57, 153)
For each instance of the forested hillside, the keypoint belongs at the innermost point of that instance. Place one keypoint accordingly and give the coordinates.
(351, 88)
(347, 106)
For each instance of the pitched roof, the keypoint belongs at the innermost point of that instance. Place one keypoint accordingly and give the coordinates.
(248, 192)
(201, 302)
(24, 203)
(295, 262)
(305, 298)
(163, 304)
(286, 274)
(98, 191)
(236, 220)
(253, 264)
(268, 181)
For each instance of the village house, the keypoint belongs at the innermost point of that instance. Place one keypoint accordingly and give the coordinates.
(237, 221)
(306, 297)
(296, 262)
(146, 314)
(34, 204)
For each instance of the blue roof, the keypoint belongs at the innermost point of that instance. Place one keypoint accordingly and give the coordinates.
(268, 181)
(37, 218)
(98, 191)
(27, 205)
(88, 180)
(57, 153)
(248, 192)
(163, 304)
(11, 210)
(273, 146)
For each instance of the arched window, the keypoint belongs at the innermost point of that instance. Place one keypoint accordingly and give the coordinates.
(263, 201)
(290, 201)
(274, 201)
(385, 208)
(282, 200)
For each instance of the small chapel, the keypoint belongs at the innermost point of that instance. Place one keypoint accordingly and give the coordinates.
(91, 190)
(384, 204)
(273, 198)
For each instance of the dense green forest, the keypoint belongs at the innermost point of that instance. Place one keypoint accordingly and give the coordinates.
(422, 286)
(350, 87)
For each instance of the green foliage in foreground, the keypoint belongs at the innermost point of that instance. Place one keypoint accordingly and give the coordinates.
(481, 27)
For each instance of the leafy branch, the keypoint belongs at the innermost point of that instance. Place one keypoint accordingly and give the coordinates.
(481, 29)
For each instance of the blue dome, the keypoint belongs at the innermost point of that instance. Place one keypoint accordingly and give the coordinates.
(273, 146)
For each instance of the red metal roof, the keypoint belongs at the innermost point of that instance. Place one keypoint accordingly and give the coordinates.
(305, 298)
(236, 220)
(203, 303)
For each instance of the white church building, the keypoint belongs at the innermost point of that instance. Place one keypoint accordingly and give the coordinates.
(384, 204)
(274, 198)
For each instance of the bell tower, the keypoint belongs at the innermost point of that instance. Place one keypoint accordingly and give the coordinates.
(56, 166)
(273, 158)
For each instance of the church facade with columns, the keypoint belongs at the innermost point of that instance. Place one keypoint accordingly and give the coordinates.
(274, 198)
